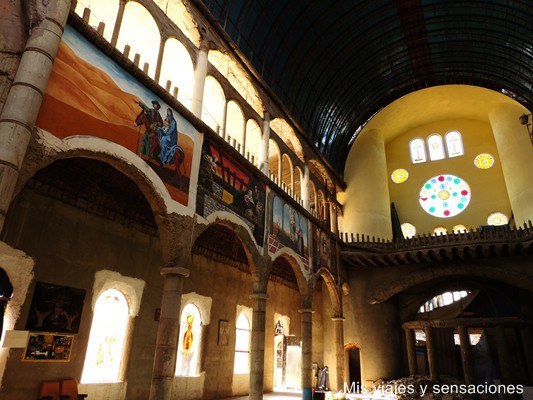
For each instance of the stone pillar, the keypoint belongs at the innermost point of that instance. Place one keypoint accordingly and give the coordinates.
(200, 73)
(411, 351)
(257, 355)
(264, 149)
(157, 73)
(304, 189)
(366, 167)
(333, 217)
(466, 354)
(118, 23)
(527, 341)
(25, 97)
(338, 326)
(431, 347)
(505, 361)
(307, 353)
(167, 333)
(516, 157)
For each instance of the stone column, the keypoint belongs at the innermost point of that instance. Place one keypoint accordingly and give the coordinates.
(338, 326)
(527, 341)
(516, 157)
(304, 189)
(157, 73)
(264, 149)
(200, 73)
(25, 97)
(167, 333)
(505, 361)
(431, 348)
(466, 354)
(411, 351)
(333, 217)
(118, 23)
(307, 353)
(257, 355)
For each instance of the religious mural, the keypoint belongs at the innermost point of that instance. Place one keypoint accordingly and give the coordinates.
(89, 94)
(324, 255)
(55, 308)
(289, 227)
(225, 185)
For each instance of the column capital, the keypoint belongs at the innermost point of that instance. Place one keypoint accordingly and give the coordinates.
(306, 310)
(185, 272)
(259, 296)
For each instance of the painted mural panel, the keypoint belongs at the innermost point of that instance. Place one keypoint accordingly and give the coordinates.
(225, 185)
(324, 251)
(89, 94)
(289, 227)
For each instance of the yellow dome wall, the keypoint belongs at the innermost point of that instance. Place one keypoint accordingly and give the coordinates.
(488, 190)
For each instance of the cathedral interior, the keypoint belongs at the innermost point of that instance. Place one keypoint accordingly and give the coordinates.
(214, 199)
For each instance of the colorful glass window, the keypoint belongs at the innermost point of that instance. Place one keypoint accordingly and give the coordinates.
(440, 230)
(454, 144)
(106, 340)
(187, 363)
(484, 161)
(399, 175)
(460, 229)
(417, 149)
(444, 196)
(497, 219)
(436, 148)
(408, 230)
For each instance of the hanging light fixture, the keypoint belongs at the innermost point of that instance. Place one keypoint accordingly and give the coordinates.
(527, 120)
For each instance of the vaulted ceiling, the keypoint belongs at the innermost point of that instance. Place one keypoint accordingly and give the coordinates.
(335, 63)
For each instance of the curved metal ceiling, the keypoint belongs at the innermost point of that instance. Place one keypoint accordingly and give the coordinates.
(336, 63)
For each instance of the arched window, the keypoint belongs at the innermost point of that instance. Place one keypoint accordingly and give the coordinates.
(274, 160)
(106, 341)
(214, 104)
(253, 139)
(436, 148)
(140, 31)
(418, 151)
(454, 144)
(101, 11)
(235, 124)
(187, 363)
(287, 176)
(177, 68)
(242, 345)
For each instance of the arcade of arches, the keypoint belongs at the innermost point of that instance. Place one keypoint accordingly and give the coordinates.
(168, 230)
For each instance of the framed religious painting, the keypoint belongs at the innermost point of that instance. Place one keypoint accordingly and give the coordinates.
(44, 346)
(223, 333)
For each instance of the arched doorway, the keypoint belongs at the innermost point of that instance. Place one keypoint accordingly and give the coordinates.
(353, 361)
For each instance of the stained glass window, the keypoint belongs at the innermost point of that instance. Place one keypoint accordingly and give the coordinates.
(408, 230)
(242, 345)
(497, 219)
(460, 229)
(187, 363)
(454, 144)
(418, 151)
(444, 196)
(436, 148)
(399, 175)
(484, 161)
(106, 340)
(440, 230)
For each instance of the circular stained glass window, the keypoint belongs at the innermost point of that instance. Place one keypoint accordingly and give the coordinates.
(440, 231)
(497, 218)
(484, 161)
(399, 176)
(444, 196)
(408, 230)
(460, 229)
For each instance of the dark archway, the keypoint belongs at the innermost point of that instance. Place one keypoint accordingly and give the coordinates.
(6, 291)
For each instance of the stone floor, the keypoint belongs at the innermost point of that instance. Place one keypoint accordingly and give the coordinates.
(272, 396)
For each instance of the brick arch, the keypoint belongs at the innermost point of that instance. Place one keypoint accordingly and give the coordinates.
(332, 289)
(387, 289)
(243, 233)
(299, 271)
